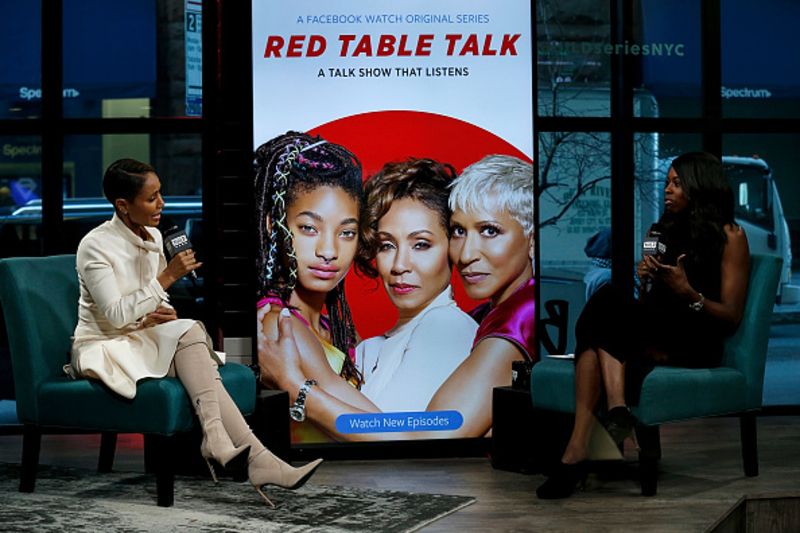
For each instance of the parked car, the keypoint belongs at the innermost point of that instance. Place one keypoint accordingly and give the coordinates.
(21, 230)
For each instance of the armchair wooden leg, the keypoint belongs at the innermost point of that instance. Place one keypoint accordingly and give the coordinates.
(108, 446)
(748, 429)
(159, 453)
(649, 438)
(31, 445)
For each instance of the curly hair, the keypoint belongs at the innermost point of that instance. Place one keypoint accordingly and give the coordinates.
(424, 180)
(285, 168)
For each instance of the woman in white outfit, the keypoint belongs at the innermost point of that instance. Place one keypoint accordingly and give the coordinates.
(127, 330)
(407, 229)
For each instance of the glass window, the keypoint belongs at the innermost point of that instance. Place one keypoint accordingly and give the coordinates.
(21, 63)
(750, 180)
(667, 55)
(574, 208)
(129, 59)
(175, 157)
(573, 55)
(760, 65)
(20, 184)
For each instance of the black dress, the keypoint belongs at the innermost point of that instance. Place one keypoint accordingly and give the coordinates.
(632, 330)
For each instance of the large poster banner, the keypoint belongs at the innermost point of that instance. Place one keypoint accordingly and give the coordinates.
(416, 92)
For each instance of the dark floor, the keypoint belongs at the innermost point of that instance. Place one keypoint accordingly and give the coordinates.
(701, 477)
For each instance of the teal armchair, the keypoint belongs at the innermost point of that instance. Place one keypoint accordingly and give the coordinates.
(40, 301)
(673, 394)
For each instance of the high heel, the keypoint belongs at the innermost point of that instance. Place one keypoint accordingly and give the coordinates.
(562, 483)
(621, 424)
(224, 453)
(217, 445)
(266, 469)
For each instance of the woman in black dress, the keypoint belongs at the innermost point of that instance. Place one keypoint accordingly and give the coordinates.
(697, 296)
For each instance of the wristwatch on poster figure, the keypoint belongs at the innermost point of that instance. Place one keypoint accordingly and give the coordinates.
(297, 411)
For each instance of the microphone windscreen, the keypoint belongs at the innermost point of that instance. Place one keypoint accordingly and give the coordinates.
(168, 226)
(176, 242)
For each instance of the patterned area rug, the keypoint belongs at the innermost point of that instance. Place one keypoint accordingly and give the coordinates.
(68, 499)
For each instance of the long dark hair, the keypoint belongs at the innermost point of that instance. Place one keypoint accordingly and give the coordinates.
(286, 167)
(710, 209)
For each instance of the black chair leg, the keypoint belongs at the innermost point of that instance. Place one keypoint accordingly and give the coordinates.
(748, 428)
(159, 454)
(649, 438)
(108, 446)
(31, 446)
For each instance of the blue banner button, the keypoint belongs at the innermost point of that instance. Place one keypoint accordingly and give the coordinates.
(398, 422)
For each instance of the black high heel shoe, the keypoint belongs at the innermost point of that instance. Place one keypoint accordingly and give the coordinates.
(562, 483)
(621, 424)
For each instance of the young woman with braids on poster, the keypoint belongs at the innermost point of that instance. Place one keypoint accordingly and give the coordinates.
(501, 250)
(308, 199)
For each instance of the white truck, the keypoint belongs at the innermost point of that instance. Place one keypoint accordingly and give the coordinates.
(760, 212)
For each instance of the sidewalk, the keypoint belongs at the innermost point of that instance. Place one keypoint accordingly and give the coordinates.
(786, 314)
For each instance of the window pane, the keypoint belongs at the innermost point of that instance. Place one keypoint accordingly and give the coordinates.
(21, 63)
(572, 36)
(128, 59)
(20, 183)
(760, 65)
(574, 206)
(176, 158)
(668, 55)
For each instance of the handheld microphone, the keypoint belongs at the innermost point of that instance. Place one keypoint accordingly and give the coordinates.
(655, 245)
(176, 241)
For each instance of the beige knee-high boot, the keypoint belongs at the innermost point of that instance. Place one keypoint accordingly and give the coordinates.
(263, 467)
(198, 374)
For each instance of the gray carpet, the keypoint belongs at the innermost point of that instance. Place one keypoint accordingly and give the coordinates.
(68, 499)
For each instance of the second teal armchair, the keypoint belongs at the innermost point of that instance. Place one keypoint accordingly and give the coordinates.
(673, 394)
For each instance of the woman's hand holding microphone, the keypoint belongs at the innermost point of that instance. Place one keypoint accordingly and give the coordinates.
(180, 265)
(673, 277)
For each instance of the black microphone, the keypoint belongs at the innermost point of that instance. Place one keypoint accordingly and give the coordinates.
(655, 245)
(176, 241)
